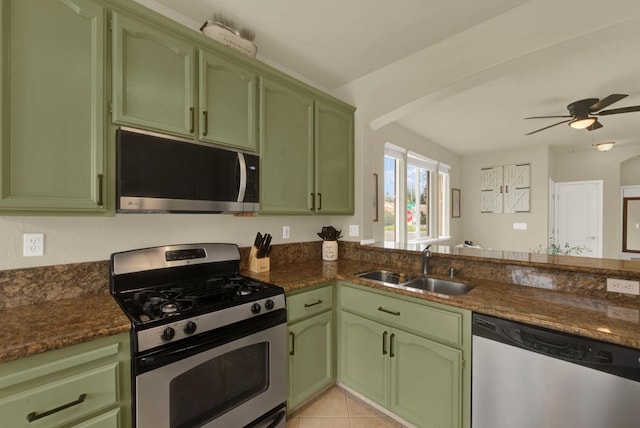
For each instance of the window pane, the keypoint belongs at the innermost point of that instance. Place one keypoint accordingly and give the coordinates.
(390, 198)
(424, 202)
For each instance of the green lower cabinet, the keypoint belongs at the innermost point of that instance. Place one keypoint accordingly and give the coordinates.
(364, 357)
(310, 358)
(426, 382)
(407, 355)
(86, 385)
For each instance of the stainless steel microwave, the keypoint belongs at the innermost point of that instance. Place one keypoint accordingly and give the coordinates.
(160, 174)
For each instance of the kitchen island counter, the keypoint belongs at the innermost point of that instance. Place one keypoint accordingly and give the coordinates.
(609, 320)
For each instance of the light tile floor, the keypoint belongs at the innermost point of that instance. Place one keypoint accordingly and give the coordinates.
(337, 408)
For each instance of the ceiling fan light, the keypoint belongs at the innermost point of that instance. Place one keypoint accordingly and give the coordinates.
(605, 147)
(582, 123)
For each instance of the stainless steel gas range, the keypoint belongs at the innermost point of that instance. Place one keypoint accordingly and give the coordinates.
(208, 344)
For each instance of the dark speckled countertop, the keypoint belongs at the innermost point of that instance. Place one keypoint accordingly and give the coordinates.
(599, 318)
(33, 328)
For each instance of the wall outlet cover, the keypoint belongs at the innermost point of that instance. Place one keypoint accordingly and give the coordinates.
(354, 230)
(33, 244)
(286, 232)
(623, 286)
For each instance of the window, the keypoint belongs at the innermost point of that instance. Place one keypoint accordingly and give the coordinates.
(416, 197)
(444, 199)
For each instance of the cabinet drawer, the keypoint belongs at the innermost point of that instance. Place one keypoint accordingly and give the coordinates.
(423, 320)
(99, 387)
(309, 303)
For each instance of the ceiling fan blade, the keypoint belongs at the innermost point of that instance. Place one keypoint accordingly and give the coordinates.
(596, 125)
(606, 102)
(546, 117)
(547, 127)
(619, 110)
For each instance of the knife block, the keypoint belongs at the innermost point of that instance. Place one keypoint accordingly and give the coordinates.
(255, 264)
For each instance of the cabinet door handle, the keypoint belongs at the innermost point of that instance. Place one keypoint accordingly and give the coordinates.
(308, 305)
(34, 416)
(293, 343)
(100, 180)
(319, 201)
(391, 343)
(206, 123)
(384, 343)
(313, 201)
(381, 309)
(193, 120)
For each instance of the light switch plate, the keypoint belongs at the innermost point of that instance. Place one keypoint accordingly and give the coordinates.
(520, 226)
(354, 230)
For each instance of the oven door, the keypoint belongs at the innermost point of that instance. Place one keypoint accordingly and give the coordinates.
(238, 383)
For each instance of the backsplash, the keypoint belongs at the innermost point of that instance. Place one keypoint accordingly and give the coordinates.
(28, 286)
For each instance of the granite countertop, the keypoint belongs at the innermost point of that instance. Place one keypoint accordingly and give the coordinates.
(41, 327)
(597, 318)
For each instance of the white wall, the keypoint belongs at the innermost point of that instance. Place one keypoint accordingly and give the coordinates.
(496, 231)
(81, 239)
(594, 165)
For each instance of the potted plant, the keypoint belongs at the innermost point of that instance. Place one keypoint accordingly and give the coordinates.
(330, 236)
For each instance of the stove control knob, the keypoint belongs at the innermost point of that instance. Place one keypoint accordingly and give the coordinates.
(255, 308)
(168, 334)
(269, 304)
(190, 327)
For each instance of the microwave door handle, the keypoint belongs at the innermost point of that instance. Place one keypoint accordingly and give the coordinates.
(243, 177)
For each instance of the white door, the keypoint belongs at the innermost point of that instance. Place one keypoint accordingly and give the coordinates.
(578, 218)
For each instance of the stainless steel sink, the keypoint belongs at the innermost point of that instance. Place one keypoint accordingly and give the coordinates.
(416, 283)
(436, 285)
(387, 278)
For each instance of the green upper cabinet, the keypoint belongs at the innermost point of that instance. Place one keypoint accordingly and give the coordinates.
(52, 68)
(286, 149)
(306, 149)
(333, 159)
(228, 102)
(153, 78)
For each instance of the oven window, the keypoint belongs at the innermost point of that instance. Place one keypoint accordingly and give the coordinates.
(218, 385)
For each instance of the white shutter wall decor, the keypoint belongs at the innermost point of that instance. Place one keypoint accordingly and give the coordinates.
(505, 189)
(491, 190)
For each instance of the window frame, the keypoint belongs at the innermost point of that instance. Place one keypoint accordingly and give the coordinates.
(438, 205)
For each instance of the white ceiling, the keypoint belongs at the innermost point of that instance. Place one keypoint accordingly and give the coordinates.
(571, 50)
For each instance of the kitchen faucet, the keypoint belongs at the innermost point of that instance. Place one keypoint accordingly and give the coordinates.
(426, 255)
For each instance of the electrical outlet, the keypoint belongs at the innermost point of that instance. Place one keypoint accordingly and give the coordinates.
(520, 226)
(33, 244)
(623, 286)
(354, 230)
(286, 232)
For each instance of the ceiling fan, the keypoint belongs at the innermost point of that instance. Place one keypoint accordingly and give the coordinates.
(582, 113)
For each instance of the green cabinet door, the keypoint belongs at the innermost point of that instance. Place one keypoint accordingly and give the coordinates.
(286, 149)
(310, 357)
(228, 102)
(426, 381)
(364, 357)
(52, 111)
(333, 159)
(153, 74)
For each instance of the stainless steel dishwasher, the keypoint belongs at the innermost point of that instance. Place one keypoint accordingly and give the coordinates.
(526, 377)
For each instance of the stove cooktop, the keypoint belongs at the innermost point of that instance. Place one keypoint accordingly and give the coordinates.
(190, 299)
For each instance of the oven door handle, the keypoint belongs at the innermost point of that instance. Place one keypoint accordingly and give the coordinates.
(275, 422)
